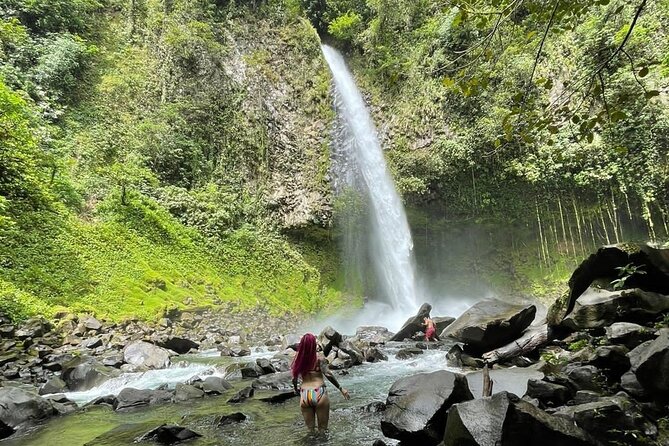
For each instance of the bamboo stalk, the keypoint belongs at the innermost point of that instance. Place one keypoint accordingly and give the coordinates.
(615, 231)
(541, 234)
(629, 208)
(601, 219)
(578, 224)
(564, 231)
(616, 216)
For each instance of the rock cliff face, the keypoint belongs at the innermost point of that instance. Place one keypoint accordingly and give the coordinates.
(287, 108)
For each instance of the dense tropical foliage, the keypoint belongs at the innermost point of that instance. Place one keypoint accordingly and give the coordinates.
(156, 152)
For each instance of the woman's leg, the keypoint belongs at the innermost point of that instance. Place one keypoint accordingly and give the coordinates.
(309, 414)
(323, 413)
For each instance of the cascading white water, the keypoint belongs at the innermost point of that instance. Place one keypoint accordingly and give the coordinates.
(362, 166)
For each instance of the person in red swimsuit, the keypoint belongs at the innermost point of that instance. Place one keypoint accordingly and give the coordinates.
(311, 369)
(430, 331)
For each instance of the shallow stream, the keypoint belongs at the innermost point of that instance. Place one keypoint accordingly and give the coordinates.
(276, 424)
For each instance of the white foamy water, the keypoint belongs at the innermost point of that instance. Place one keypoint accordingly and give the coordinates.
(387, 239)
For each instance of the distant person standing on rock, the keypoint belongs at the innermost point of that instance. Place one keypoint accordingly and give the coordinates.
(311, 368)
(430, 330)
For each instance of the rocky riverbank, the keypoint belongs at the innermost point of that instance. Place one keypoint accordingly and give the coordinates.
(593, 372)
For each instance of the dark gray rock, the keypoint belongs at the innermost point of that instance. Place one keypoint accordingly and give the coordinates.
(179, 345)
(407, 353)
(7, 331)
(585, 396)
(265, 366)
(130, 398)
(585, 377)
(92, 343)
(413, 324)
(109, 400)
(442, 322)
(251, 370)
(237, 351)
(372, 335)
(602, 265)
(185, 392)
(416, 406)
(278, 398)
(167, 434)
(650, 364)
(8, 359)
(459, 359)
(504, 419)
(53, 385)
(33, 328)
(549, 394)
(82, 373)
(242, 395)
(18, 406)
(90, 323)
(274, 381)
(373, 354)
(629, 334)
(215, 385)
(329, 338)
(146, 356)
(612, 360)
(597, 308)
(490, 324)
(233, 418)
(355, 356)
(611, 420)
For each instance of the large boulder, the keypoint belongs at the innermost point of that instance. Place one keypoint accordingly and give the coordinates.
(413, 324)
(371, 335)
(416, 406)
(144, 355)
(214, 385)
(603, 264)
(611, 420)
(597, 307)
(179, 345)
(441, 322)
(628, 334)
(84, 373)
(548, 393)
(489, 324)
(650, 365)
(329, 338)
(274, 381)
(18, 406)
(33, 328)
(130, 398)
(506, 420)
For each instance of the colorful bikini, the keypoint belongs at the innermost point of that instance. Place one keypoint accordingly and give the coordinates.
(311, 397)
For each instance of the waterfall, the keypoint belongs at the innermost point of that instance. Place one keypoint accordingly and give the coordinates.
(383, 236)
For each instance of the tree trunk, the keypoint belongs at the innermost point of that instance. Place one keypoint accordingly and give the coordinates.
(532, 339)
(487, 382)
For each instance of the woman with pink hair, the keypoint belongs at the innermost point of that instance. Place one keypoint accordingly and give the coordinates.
(311, 368)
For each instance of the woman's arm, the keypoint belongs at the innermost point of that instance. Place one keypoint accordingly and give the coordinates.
(295, 385)
(330, 376)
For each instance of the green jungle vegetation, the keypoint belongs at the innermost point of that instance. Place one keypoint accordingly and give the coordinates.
(155, 153)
